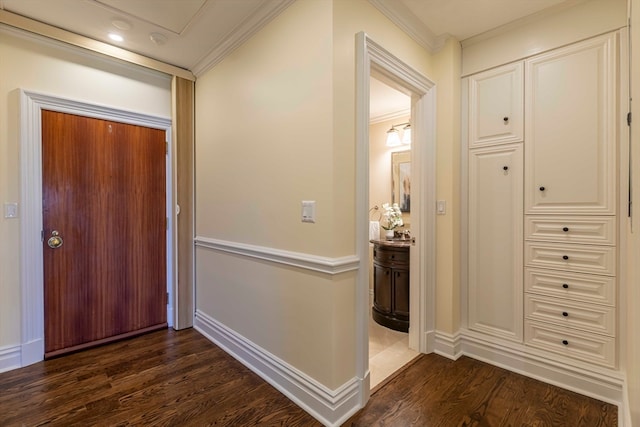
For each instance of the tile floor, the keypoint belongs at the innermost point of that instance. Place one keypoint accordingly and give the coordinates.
(388, 352)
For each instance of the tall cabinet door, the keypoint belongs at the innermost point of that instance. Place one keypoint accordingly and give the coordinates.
(495, 106)
(570, 132)
(495, 241)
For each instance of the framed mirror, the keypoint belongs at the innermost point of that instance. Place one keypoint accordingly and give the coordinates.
(401, 179)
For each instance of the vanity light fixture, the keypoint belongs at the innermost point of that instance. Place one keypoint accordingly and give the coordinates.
(393, 136)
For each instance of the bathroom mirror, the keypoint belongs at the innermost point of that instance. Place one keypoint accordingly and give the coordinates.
(401, 179)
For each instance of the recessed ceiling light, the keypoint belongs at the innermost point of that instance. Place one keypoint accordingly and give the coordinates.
(158, 38)
(116, 37)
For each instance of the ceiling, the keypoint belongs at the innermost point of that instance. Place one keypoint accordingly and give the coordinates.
(197, 34)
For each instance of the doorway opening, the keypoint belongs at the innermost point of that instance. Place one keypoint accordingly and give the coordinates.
(375, 61)
(389, 185)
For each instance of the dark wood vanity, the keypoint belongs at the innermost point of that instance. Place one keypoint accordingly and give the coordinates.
(391, 283)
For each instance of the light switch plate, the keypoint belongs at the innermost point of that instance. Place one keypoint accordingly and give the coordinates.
(441, 207)
(11, 210)
(308, 211)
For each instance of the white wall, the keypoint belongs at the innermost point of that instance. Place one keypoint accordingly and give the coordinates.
(32, 63)
(275, 126)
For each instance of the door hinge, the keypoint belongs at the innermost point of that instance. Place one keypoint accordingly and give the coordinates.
(629, 118)
(166, 147)
(167, 300)
(166, 222)
(42, 235)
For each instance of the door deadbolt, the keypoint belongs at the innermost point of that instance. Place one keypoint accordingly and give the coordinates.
(55, 241)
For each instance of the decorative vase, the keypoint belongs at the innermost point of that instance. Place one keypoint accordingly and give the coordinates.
(388, 234)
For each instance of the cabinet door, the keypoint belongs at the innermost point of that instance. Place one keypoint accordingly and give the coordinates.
(401, 293)
(495, 106)
(570, 129)
(382, 288)
(495, 241)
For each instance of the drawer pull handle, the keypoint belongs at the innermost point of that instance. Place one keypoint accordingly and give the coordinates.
(565, 257)
(565, 342)
(565, 314)
(564, 285)
(541, 188)
(565, 229)
(505, 119)
(506, 168)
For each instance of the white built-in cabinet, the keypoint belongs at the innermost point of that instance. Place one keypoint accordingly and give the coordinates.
(542, 197)
(495, 240)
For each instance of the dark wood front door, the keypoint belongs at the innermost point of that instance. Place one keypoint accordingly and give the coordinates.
(104, 221)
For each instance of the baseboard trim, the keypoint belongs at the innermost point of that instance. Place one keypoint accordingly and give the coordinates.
(297, 259)
(10, 358)
(447, 345)
(330, 407)
(599, 383)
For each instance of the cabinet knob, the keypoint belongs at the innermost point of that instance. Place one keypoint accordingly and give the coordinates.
(506, 168)
(565, 229)
(565, 314)
(565, 257)
(565, 342)
(564, 285)
(506, 119)
(541, 188)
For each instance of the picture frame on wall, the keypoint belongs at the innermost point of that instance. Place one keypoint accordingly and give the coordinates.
(401, 179)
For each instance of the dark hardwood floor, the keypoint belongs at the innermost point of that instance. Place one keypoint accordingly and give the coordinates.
(174, 378)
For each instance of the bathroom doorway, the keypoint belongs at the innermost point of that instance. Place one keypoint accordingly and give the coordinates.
(389, 182)
(375, 61)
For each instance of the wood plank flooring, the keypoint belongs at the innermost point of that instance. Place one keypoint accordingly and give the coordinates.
(171, 378)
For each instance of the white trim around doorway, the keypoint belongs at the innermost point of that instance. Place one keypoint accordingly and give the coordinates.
(31, 262)
(372, 58)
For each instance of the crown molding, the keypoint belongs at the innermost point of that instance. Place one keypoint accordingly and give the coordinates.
(390, 116)
(400, 15)
(260, 18)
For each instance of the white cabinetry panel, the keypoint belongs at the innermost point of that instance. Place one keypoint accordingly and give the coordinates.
(495, 241)
(594, 230)
(496, 106)
(570, 130)
(578, 258)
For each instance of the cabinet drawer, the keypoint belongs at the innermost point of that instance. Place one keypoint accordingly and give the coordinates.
(574, 286)
(589, 347)
(579, 258)
(388, 256)
(564, 313)
(596, 230)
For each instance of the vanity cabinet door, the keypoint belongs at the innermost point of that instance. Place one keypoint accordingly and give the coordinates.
(382, 288)
(495, 295)
(401, 293)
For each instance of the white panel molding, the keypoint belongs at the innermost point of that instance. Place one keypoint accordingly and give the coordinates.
(330, 407)
(10, 358)
(296, 259)
(241, 34)
(31, 260)
(599, 383)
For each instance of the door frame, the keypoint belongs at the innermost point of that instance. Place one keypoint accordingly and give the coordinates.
(31, 257)
(372, 58)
